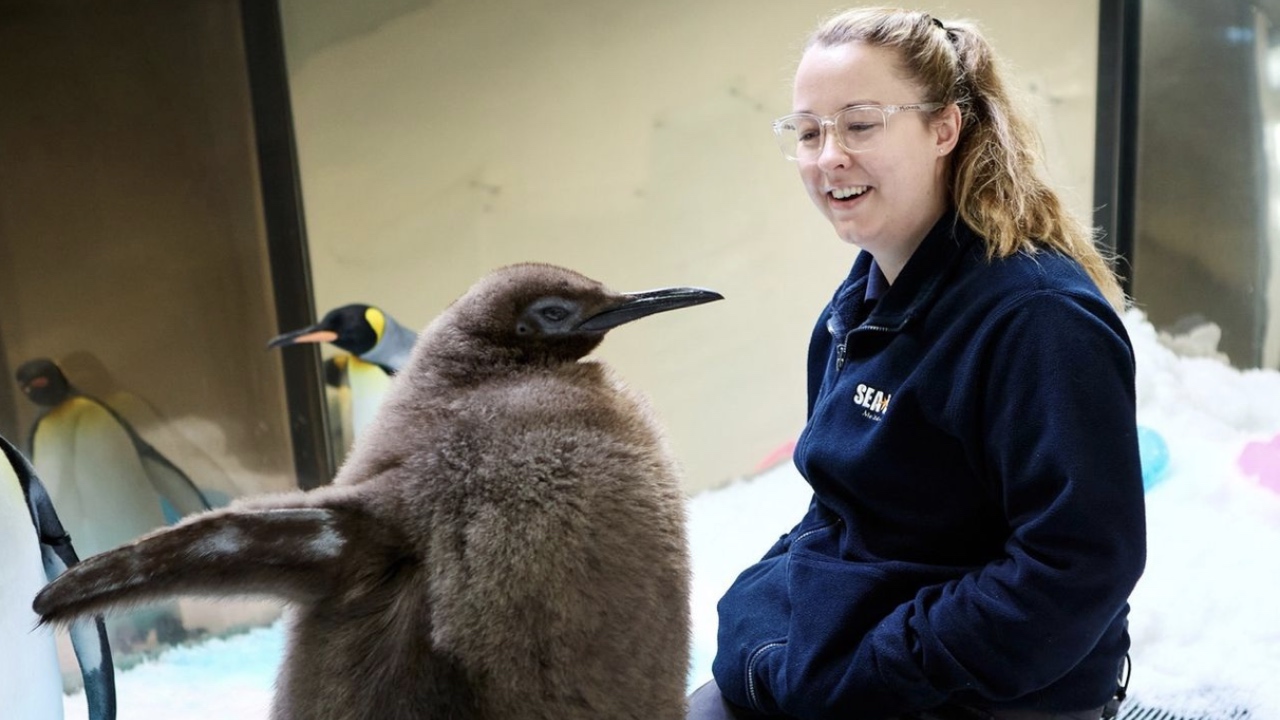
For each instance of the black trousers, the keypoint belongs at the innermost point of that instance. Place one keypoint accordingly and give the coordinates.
(706, 703)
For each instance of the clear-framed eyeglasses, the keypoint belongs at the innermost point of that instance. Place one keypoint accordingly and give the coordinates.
(858, 129)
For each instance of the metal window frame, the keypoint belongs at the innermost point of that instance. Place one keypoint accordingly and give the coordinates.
(281, 192)
(1115, 163)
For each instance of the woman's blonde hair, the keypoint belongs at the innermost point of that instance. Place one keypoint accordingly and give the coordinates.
(997, 181)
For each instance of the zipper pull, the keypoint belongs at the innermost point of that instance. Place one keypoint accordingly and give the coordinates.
(840, 350)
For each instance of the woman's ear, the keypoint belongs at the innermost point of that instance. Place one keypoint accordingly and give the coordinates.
(946, 126)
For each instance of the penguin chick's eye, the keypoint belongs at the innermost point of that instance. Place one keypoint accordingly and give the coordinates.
(554, 314)
(548, 317)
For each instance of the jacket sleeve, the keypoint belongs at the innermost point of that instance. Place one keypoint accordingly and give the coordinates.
(1053, 403)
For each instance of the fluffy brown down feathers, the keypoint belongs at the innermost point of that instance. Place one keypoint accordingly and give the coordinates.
(506, 541)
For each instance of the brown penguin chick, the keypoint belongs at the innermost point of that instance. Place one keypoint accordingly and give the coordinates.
(506, 542)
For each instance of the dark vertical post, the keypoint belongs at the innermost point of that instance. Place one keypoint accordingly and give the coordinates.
(8, 401)
(1116, 148)
(286, 237)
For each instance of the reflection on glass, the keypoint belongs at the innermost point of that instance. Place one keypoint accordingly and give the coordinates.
(1207, 192)
(375, 347)
(108, 483)
(133, 260)
(111, 484)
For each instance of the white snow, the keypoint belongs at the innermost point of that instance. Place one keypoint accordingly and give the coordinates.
(1206, 616)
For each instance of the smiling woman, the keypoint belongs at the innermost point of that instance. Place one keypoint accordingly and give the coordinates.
(881, 185)
(956, 560)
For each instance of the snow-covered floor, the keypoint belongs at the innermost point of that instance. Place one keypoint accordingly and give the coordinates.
(1205, 619)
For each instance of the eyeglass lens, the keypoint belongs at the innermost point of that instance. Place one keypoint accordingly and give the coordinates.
(857, 129)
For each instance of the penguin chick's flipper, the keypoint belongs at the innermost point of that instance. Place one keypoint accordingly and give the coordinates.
(88, 636)
(296, 554)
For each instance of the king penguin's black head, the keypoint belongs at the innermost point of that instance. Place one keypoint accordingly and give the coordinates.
(42, 381)
(355, 328)
(538, 313)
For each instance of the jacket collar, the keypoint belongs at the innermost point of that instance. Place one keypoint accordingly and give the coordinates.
(916, 286)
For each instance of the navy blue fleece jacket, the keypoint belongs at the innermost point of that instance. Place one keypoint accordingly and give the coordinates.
(977, 522)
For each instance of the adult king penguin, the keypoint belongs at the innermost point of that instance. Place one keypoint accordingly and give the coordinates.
(108, 482)
(379, 347)
(506, 542)
(109, 485)
(36, 550)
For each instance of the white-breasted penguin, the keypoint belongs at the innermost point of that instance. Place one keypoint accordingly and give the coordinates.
(36, 550)
(506, 542)
(109, 484)
(378, 347)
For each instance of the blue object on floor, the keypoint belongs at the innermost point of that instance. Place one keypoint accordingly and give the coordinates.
(1154, 452)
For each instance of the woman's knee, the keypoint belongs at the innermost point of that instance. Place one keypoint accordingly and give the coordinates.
(706, 703)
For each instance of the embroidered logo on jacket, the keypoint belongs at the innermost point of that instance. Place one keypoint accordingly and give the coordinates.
(874, 402)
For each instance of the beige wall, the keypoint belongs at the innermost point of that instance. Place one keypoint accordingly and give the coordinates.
(630, 141)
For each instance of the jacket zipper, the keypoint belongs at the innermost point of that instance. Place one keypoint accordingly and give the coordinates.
(843, 348)
(807, 533)
(751, 672)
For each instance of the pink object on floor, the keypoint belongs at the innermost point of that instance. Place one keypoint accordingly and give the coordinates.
(1262, 459)
(781, 453)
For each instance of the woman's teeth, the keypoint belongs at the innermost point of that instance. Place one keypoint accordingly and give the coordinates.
(846, 193)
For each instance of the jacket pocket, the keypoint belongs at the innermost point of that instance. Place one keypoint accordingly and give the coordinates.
(752, 682)
(753, 613)
(836, 601)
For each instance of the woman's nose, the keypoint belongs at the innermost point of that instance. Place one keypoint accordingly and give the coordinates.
(832, 153)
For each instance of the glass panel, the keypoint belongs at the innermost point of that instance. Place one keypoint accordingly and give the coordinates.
(133, 256)
(1206, 210)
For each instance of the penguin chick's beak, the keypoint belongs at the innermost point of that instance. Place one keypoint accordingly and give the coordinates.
(633, 306)
(310, 334)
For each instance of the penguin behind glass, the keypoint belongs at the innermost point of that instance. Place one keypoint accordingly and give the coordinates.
(36, 550)
(507, 542)
(110, 484)
(362, 330)
(378, 346)
(185, 441)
